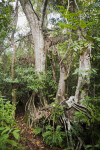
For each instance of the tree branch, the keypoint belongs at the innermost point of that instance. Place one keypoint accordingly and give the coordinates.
(56, 40)
(28, 2)
(43, 12)
(76, 5)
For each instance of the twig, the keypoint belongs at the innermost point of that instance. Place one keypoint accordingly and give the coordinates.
(65, 53)
(76, 5)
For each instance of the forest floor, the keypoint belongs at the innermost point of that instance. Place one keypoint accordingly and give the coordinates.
(29, 140)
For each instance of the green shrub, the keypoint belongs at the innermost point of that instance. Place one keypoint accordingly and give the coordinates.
(9, 133)
(51, 130)
(54, 138)
(88, 124)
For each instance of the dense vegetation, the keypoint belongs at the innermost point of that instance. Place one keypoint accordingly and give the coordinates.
(51, 74)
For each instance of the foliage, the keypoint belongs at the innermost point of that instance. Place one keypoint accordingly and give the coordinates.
(5, 20)
(53, 132)
(28, 77)
(57, 112)
(88, 129)
(56, 138)
(26, 80)
(9, 133)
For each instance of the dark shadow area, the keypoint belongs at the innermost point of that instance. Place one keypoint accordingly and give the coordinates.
(20, 108)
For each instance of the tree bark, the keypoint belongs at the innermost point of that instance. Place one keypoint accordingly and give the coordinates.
(83, 79)
(52, 65)
(61, 86)
(37, 35)
(64, 73)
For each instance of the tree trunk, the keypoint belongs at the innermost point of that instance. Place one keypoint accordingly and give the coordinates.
(13, 58)
(64, 73)
(61, 87)
(52, 65)
(13, 75)
(37, 35)
(83, 79)
(75, 103)
(39, 53)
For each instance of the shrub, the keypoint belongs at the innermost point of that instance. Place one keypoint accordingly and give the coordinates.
(9, 133)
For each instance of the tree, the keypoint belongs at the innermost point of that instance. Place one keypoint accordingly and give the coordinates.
(41, 44)
(13, 56)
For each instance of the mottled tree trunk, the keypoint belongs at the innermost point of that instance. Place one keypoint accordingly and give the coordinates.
(37, 35)
(61, 86)
(39, 55)
(64, 74)
(83, 79)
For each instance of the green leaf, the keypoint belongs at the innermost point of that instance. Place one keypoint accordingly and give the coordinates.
(37, 130)
(5, 130)
(16, 134)
(46, 134)
(4, 137)
(12, 142)
(2, 128)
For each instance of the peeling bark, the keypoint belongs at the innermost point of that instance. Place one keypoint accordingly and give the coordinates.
(37, 35)
(61, 87)
(83, 79)
(64, 73)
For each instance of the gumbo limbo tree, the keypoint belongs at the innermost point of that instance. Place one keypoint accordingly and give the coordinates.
(41, 45)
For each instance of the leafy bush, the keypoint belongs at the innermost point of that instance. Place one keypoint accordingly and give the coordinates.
(54, 138)
(52, 132)
(9, 133)
(89, 128)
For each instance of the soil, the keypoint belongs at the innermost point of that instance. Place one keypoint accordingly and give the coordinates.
(28, 139)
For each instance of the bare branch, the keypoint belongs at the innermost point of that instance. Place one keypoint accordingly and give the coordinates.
(44, 12)
(56, 40)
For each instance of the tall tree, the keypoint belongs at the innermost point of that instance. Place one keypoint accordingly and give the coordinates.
(41, 44)
(13, 55)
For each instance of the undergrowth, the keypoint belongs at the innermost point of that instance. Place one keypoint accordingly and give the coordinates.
(9, 133)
